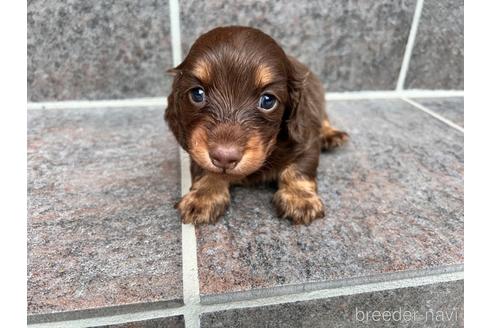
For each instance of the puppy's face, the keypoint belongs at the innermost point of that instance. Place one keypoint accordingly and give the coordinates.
(228, 100)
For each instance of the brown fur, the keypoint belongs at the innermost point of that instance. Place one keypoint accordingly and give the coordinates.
(235, 66)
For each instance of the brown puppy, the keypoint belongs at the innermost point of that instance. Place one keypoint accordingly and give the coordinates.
(247, 113)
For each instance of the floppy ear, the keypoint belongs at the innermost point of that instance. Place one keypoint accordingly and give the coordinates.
(172, 113)
(173, 71)
(297, 115)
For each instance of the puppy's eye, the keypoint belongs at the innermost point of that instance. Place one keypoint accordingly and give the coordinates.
(267, 102)
(197, 95)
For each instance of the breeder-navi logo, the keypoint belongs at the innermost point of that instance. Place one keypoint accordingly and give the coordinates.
(402, 315)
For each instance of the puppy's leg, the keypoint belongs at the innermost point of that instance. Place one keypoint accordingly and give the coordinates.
(296, 198)
(330, 137)
(207, 200)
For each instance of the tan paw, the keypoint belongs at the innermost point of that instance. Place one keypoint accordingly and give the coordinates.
(300, 208)
(198, 207)
(332, 138)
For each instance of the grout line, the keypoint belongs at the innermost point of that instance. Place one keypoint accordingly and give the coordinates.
(162, 101)
(105, 311)
(409, 47)
(335, 292)
(175, 31)
(433, 114)
(111, 320)
(79, 104)
(392, 94)
(191, 286)
(298, 288)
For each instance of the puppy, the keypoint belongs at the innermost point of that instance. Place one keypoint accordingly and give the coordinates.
(248, 113)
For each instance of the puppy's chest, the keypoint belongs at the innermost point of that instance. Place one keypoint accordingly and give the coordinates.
(262, 176)
(270, 170)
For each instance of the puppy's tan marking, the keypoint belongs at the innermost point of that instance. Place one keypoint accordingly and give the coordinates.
(207, 200)
(264, 75)
(198, 148)
(331, 138)
(296, 198)
(254, 155)
(202, 71)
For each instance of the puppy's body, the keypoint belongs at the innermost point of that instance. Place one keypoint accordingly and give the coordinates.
(247, 113)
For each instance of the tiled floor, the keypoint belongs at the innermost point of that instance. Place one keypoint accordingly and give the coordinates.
(169, 322)
(102, 230)
(103, 237)
(351, 311)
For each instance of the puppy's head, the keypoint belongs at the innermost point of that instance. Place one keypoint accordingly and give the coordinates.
(229, 99)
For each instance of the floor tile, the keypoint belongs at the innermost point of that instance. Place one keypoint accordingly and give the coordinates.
(170, 322)
(430, 306)
(451, 108)
(102, 231)
(394, 204)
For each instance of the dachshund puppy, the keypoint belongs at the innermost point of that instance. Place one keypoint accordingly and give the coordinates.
(248, 113)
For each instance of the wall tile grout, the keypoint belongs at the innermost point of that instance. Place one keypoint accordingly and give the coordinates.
(114, 103)
(409, 47)
(191, 286)
(368, 95)
(175, 31)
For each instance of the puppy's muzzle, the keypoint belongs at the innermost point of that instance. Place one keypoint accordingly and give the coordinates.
(225, 157)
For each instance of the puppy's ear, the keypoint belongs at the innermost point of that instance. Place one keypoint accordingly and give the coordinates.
(173, 71)
(172, 114)
(297, 114)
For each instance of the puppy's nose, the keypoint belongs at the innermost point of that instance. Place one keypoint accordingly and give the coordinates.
(225, 157)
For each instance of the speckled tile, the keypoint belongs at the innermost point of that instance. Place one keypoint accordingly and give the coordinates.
(394, 204)
(438, 53)
(170, 322)
(452, 108)
(102, 231)
(104, 49)
(431, 306)
(351, 45)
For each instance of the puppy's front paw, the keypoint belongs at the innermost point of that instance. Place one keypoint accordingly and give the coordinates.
(301, 209)
(198, 207)
(332, 138)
